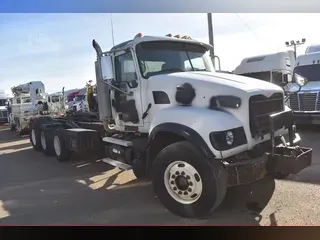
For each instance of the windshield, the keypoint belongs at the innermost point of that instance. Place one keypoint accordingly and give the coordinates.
(2, 102)
(311, 72)
(160, 57)
(313, 49)
(55, 99)
(70, 98)
(79, 97)
(265, 76)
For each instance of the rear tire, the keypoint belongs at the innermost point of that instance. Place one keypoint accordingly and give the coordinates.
(61, 152)
(35, 139)
(138, 168)
(204, 189)
(46, 144)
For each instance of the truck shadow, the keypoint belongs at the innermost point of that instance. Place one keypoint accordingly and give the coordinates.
(38, 190)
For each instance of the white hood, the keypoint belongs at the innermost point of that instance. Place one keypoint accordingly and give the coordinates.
(207, 84)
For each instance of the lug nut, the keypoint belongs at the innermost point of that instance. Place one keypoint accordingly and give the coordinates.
(173, 176)
(177, 173)
(183, 173)
(189, 189)
(172, 182)
(174, 189)
(190, 184)
(188, 177)
(179, 192)
(185, 193)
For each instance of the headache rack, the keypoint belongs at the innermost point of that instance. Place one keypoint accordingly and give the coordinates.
(260, 108)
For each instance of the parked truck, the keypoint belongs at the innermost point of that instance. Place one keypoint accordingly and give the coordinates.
(3, 108)
(166, 114)
(276, 68)
(306, 103)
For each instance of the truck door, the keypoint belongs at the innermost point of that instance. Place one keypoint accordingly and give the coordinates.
(127, 107)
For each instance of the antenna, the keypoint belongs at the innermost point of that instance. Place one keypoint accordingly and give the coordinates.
(112, 29)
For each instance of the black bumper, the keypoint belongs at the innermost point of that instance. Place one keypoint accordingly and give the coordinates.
(288, 159)
(306, 118)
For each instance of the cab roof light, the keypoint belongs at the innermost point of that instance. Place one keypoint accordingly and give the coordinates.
(169, 35)
(177, 36)
(186, 37)
(138, 35)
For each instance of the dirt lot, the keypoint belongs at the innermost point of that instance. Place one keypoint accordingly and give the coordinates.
(38, 190)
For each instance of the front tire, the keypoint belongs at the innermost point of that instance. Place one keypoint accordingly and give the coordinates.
(186, 183)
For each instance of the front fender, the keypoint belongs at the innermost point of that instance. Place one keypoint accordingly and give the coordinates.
(200, 120)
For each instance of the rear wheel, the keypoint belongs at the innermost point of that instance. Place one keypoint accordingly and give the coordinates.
(46, 145)
(60, 150)
(186, 183)
(35, 139)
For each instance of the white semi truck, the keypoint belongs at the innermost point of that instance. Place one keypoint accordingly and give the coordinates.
(306, 103)
(167, 115)
(276, 68)
(3, 107)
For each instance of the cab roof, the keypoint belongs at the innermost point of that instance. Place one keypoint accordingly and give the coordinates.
(136, 40)
(308, 59)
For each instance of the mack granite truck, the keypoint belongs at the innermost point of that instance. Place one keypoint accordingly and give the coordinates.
(167, 115)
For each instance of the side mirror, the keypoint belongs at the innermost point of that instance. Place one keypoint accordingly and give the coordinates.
(106, 67)
(300, 80)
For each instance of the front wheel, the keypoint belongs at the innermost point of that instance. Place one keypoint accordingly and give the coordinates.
(186, 183)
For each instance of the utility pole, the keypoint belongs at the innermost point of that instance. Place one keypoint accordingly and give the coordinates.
(210, 32)
(295, 45)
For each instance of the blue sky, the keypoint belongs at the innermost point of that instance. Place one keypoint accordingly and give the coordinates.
(56, 48)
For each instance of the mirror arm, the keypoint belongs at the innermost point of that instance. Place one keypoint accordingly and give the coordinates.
(114, 87)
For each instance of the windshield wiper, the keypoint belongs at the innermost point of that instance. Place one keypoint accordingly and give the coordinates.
(171, 70)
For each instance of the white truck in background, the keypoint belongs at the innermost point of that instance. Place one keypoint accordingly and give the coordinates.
(276, 68)
(306, 103)
(3, 107)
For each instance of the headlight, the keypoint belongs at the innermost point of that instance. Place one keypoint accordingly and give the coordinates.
(229, 138)
(226, 101)
(225, 140)
(301, 81)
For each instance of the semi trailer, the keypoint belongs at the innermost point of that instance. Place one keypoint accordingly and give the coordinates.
(164, 112)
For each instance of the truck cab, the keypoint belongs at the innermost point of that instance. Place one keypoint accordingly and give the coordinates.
(275, 68)
(306, 103)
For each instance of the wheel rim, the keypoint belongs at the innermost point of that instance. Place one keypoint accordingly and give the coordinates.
(183, 182)
(57, 145)
(33, 137)
(43, 141)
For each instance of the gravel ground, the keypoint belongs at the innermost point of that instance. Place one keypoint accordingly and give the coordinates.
(38, 190)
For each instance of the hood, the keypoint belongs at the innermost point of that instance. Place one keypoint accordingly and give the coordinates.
(221, 80)
(310, 86)
(3, 108)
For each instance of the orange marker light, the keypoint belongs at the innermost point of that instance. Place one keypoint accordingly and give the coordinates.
(177, 36)
(169, 35)
(138, 35)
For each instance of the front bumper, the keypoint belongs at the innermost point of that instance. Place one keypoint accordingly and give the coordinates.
(4, 120)
(306, 118)
(288, 158)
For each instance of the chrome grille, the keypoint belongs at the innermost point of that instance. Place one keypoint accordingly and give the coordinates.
(305, 101)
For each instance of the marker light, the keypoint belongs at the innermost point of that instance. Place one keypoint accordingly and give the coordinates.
(177, 36)
(169, 35)
(186, 37)
(138, 35)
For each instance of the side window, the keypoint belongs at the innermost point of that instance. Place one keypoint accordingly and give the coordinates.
(18, 100)
(125, 70)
